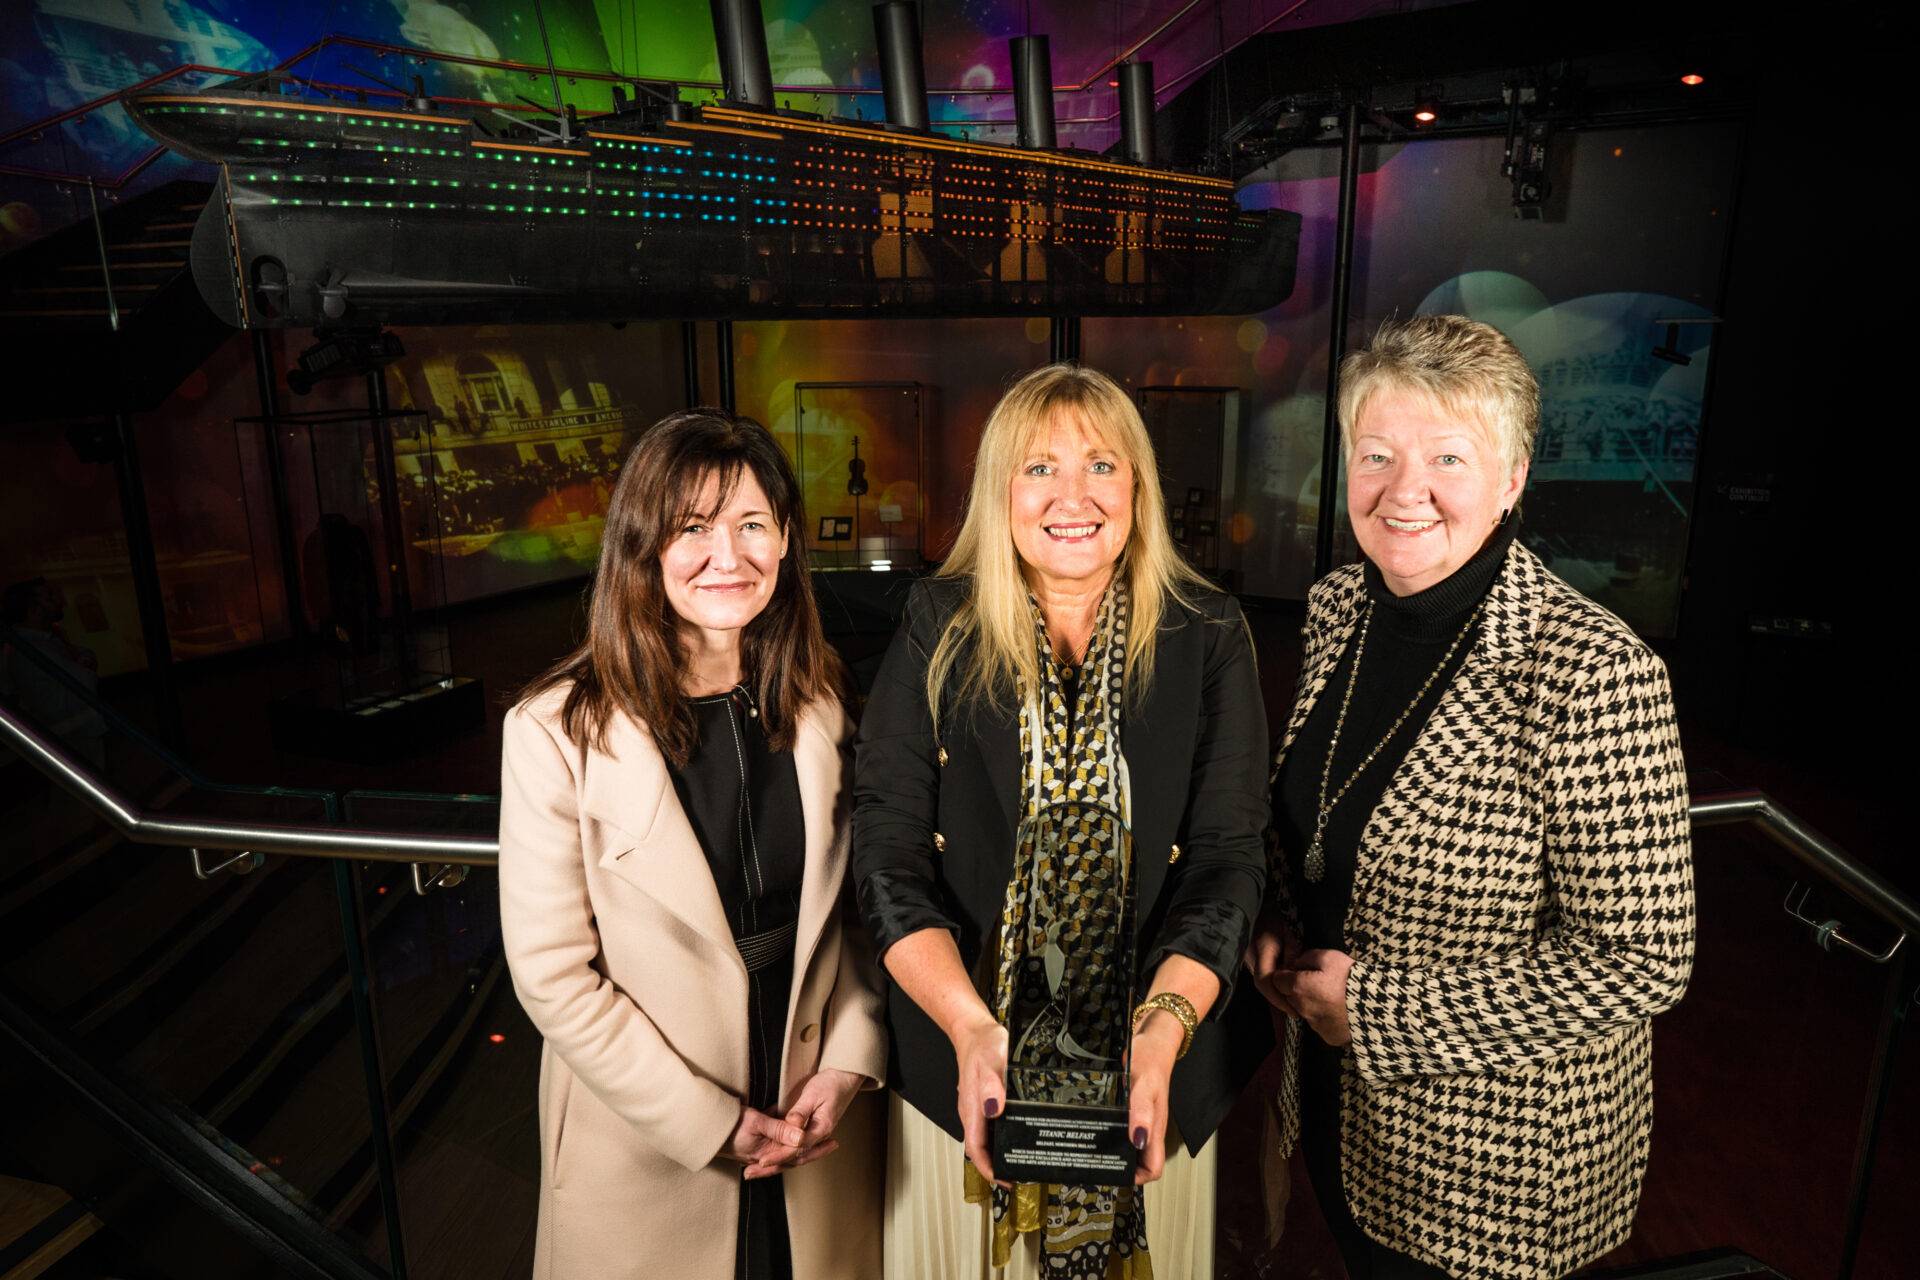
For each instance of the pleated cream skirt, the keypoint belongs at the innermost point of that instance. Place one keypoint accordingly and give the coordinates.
(930, 1232)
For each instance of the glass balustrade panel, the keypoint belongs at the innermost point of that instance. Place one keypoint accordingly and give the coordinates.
(461, 1061)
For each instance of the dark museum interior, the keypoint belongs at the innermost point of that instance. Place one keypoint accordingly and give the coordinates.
(328, 329)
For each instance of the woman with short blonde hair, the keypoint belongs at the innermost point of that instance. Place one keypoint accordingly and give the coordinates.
(1469, 370)
(1483, 891)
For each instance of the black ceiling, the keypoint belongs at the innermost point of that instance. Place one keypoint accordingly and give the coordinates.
(1590, 64)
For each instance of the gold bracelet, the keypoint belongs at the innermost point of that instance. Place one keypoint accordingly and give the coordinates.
(1177, 1005)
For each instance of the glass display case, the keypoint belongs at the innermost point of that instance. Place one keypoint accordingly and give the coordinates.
(368, 526)
(1196, 441)
(858, 449)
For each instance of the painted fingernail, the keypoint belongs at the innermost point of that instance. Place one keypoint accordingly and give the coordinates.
(992, 1107)
(1140, 1138)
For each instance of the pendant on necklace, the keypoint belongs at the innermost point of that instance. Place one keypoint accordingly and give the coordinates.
(1315, 867)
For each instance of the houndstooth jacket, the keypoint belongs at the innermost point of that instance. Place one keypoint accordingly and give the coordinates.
(1523, 904)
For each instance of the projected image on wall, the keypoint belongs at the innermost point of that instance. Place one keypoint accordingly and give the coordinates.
(1611, 487)
(1612, 481)
(506, 482)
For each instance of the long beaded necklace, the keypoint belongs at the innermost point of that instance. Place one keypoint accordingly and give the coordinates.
(1316, 864)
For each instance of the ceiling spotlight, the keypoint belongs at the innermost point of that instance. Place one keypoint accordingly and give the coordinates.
(1692, 78)
(1426, 108)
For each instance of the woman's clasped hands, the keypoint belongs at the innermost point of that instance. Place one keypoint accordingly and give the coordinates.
(769, 1144)
(1309, 985)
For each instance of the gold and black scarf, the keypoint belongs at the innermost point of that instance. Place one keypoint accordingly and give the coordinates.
(1066, 948)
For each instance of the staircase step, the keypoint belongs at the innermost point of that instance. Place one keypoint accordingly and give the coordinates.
(86, 288)
(126, 266)
(1713, 1264)
(39, 1225)
(54, 321)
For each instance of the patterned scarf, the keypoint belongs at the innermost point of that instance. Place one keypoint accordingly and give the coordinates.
(1064, 983)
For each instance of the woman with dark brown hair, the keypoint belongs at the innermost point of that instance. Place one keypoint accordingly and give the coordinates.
(673, 840)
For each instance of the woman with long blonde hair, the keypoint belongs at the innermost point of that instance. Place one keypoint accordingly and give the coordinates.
(1064, 659)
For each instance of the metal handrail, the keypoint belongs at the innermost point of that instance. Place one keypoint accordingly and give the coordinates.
(143, 827)
(1811, 848)
(371, 844)
(126, 728)
(343, 843)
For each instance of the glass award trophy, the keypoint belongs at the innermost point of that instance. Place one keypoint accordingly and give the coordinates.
(1069, 1020)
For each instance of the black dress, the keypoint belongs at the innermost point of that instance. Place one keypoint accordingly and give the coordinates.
(743, 799)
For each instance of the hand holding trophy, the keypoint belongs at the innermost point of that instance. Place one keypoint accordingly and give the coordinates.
(1066, 999)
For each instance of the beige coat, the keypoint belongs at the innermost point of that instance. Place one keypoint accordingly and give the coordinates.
(622, 955)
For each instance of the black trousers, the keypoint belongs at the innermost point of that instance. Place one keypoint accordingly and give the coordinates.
(1365, 1258)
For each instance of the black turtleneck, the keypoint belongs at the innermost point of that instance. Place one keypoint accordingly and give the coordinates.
(1406, 639)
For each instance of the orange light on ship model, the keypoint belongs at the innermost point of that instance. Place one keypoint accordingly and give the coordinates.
(1691, 79)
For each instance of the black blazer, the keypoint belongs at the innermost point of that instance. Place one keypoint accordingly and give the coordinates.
(933, 838)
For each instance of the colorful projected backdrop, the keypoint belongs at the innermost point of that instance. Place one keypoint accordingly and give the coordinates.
(525, 424)
(1637, 234)
(58, 54)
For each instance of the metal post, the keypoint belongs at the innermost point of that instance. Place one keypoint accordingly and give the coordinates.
(400, 595)
(723, 333)
(1337, 340)
(559, 103)
(1893, 1015)
(1136, 111)
(144, 561)
(690, 356)
(1710, 439)
(740, 35)
(903, 81)
(346, 884)
(1033, 93)
(263, 372)
(1063, 340)
(106, 267)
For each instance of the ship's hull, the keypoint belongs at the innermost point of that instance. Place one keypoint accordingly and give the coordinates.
(331, 215)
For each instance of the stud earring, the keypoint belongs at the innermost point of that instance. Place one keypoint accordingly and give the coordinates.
(1503, 515)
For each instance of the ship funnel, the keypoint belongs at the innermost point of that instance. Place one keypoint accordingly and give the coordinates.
(903, 79)
(1033, 92)
(741, 34)
(1136, 111)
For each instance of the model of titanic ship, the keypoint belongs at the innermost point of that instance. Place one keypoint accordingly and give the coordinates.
(328, 212)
